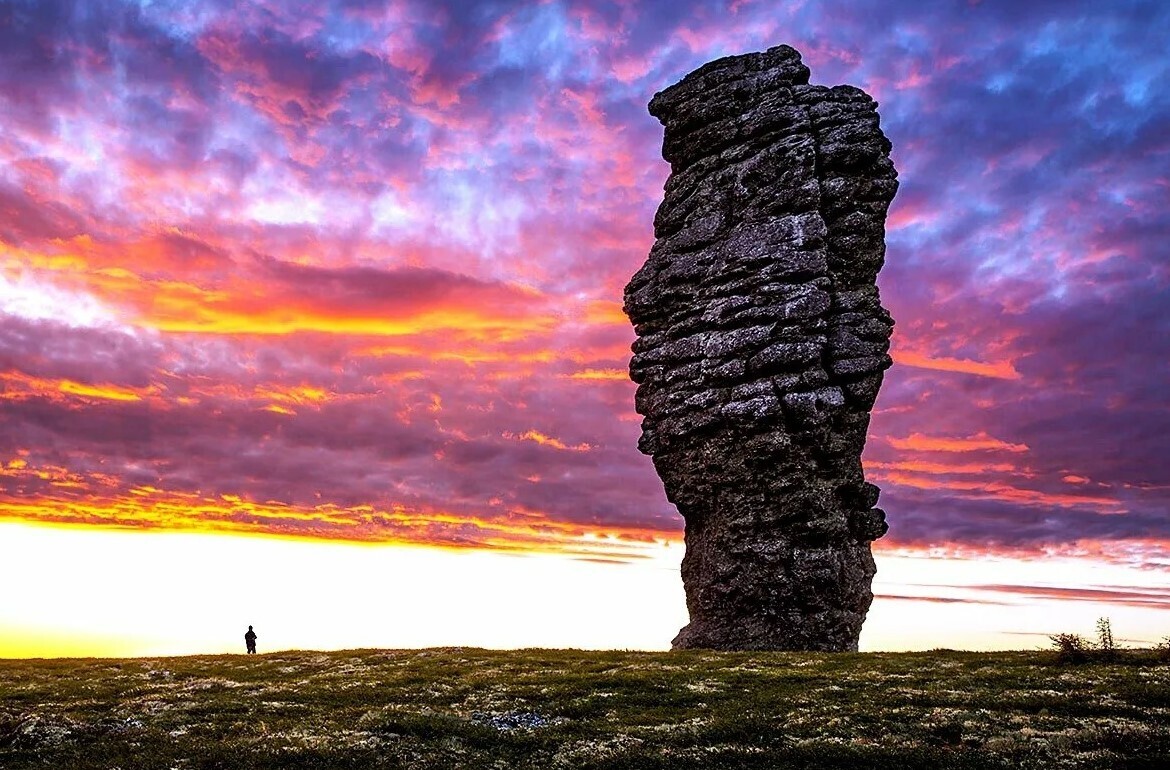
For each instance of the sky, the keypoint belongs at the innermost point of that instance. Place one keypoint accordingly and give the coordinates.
(310, 316)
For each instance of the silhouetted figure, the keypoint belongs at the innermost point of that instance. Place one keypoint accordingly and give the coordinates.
(250, 640)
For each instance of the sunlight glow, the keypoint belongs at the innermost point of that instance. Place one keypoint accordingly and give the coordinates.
(168, 594)
(111, 593)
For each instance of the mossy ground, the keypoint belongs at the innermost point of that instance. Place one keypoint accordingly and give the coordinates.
(454, 708)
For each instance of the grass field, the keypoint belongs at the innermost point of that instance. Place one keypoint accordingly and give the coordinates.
(452, 708)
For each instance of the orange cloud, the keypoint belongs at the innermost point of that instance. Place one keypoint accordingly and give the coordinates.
(295, 394)
(543, 440)
(919, 466)
(1003, 370)
(18, 386)
(147, 507)
(606, 312)
(185, 315)
(918, 442)
(109, 392)
(1004, 492)
(271, 297)
(466, 349)
(620, 375)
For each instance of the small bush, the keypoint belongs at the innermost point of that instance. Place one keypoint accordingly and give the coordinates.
(1106, 648)
(1070, 648)
(1163, 649)
(1074, 648)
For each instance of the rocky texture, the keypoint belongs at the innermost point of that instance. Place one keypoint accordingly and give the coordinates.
(761, 347)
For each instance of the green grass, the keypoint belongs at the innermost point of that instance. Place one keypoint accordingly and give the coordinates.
(456, 708)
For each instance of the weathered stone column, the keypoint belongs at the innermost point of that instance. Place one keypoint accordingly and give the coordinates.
(761, 347)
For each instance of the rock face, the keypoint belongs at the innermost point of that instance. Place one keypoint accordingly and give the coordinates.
(761, 347)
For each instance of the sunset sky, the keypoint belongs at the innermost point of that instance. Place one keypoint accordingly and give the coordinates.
(310, 317)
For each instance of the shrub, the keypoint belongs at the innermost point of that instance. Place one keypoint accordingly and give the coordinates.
(1070, 648)
(1106, 648)
(1074, 648)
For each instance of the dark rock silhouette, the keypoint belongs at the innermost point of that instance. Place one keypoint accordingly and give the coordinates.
(761, 347)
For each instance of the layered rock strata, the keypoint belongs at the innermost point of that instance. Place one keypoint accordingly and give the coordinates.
(761, 347)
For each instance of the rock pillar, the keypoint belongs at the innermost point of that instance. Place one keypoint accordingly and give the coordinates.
(761, 347)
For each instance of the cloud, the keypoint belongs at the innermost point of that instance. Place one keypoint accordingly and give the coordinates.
(1127, 596)
(23, 218)
(931, 599)
(358, 267)
(980, 441)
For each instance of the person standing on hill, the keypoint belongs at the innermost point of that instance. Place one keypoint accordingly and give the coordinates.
(250, 640)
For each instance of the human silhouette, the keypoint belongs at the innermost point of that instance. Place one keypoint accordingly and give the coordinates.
(250, 640)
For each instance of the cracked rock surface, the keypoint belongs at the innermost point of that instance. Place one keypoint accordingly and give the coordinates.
(761, 347)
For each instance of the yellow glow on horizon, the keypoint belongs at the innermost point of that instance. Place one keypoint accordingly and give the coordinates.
(127, 593)
(39, 642)
(161, 593)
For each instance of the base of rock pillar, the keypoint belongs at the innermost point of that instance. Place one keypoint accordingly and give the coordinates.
(714, 635)
(796, 599)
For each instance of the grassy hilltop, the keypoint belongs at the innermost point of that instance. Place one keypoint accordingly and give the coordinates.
(472, 708)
